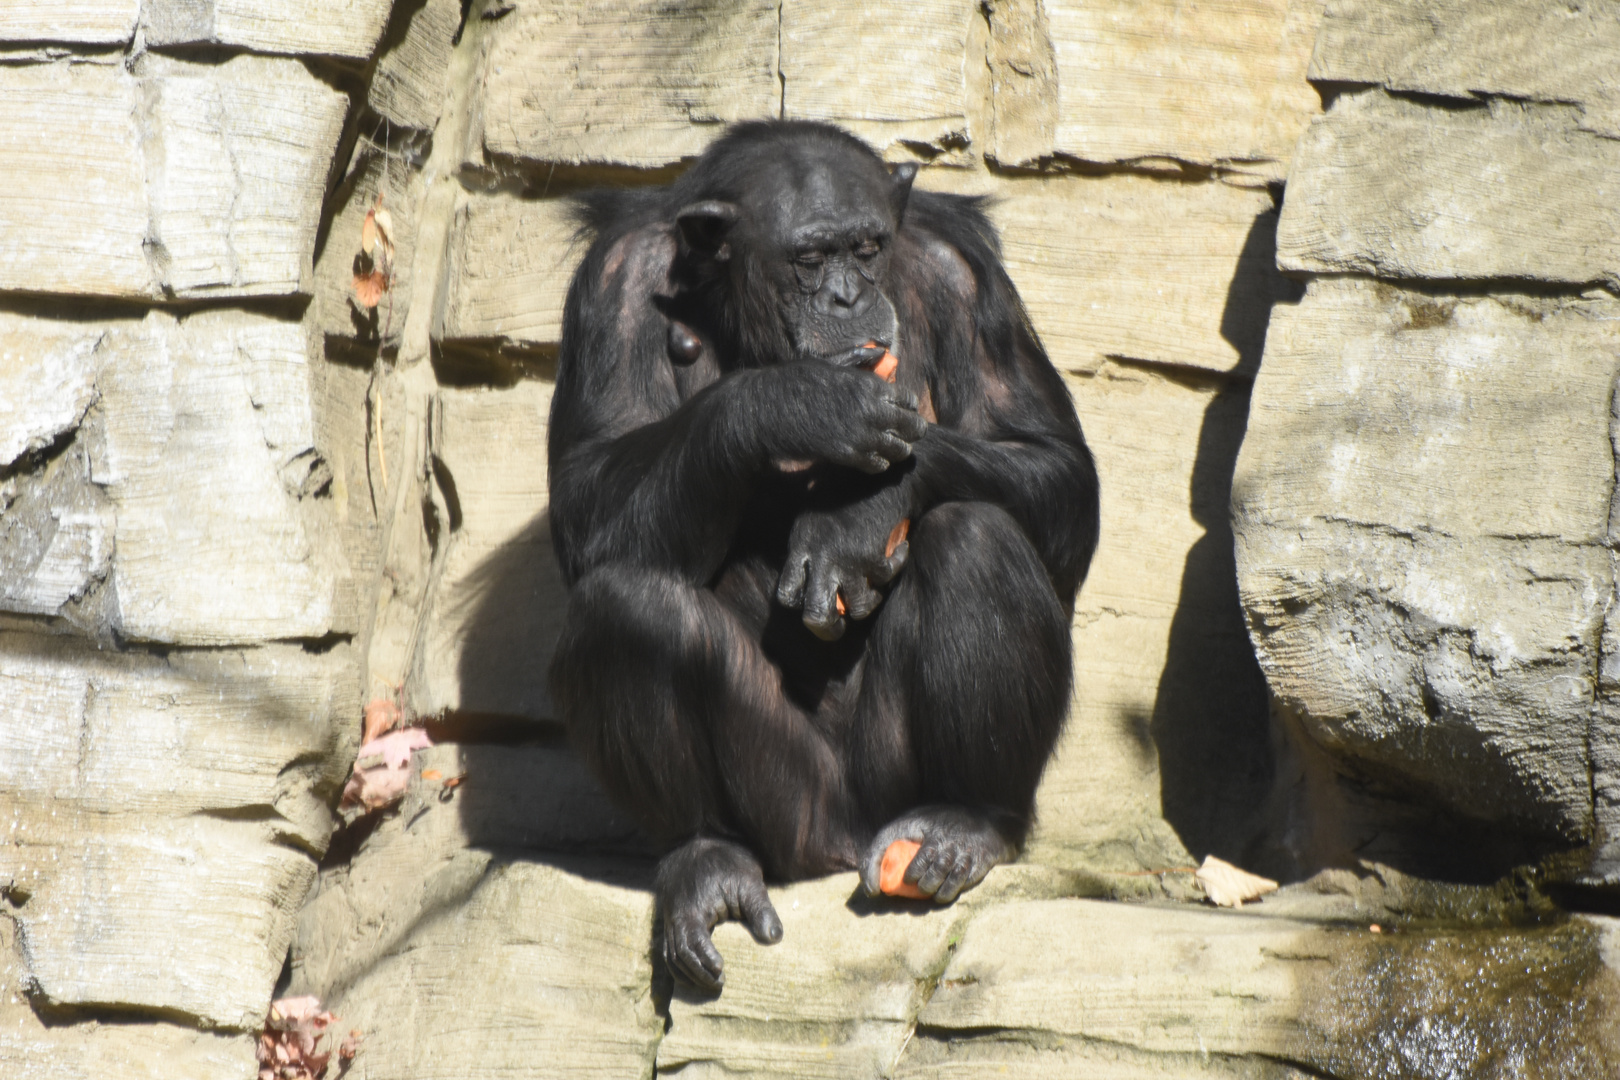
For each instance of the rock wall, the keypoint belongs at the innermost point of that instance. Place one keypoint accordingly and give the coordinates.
(187, 550)
(237, 504)
(1423, 502)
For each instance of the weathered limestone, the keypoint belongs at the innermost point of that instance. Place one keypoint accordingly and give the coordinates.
(409, 85)
(1143, 269)
(454, 960)
(1517, 49)
(432, 852)
(836, 997)
(1169, 722)
(495, 606)
(1063, 988)
(32, 1050)
(892, 73)
(1218, 85)
(1390, 187)
(508, 270)
(197, 466)
(348, 29)
(181, 180)
(1422, 514)
(1119, 266)
(1213, 984)
(627, 82)
(132, 781)
(86, 22)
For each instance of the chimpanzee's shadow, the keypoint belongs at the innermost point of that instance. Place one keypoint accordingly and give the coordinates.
(527, 795)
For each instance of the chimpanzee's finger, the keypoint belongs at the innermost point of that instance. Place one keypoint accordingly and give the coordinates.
(910, 426)
(888, 568)
(759, 915)
(892, 448)
(821, 614)
(691, 954)
(790, 587)
(860, 599)
(964, 872)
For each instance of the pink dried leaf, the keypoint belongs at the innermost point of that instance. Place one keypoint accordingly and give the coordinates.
(383, 768)
(285, 1013)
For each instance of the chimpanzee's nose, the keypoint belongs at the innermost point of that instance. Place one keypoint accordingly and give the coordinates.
(846, 288)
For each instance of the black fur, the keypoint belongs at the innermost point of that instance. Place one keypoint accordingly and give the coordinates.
(723, 470)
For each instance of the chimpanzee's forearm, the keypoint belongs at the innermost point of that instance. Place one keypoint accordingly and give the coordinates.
(667, 494)
(1046, 482)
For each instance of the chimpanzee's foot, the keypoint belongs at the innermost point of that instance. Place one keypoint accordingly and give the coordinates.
(959, 846)
(701, 884)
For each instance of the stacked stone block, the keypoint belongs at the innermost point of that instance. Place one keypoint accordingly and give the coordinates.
(185, 544)
(1423, 504)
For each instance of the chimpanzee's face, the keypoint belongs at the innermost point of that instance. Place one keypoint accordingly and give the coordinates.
(809, 247)
(826, 243)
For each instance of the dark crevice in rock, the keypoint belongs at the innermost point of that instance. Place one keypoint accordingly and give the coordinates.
(317, 645)
(1168, 169)
(1501, 289)
(470, 363)
(520, 176)
(52, 1014)
(1331, 90)
(39, 458)
(1445, 102)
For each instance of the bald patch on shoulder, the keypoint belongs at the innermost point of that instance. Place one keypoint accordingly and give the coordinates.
(643, 256)
(943, 266)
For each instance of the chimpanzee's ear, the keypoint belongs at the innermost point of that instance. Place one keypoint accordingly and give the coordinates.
(704, 227)
(901, 177)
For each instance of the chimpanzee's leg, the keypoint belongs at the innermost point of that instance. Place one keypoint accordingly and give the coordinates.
(972, 649)
(680, 714)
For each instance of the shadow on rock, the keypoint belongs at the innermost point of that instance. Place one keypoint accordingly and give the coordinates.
(1211, 723)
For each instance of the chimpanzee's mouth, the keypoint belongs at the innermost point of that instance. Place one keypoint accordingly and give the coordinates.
(864, 355)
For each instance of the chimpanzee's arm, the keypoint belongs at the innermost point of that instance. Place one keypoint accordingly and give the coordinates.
(1007, 432)
(639, 475)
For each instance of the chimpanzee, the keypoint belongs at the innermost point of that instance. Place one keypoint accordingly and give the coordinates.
(758, 659)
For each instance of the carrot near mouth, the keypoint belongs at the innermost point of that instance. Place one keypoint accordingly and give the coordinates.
(887, 364)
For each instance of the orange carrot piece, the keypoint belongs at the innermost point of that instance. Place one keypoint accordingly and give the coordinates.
(892, 876)
(887, 364)
(897, 536)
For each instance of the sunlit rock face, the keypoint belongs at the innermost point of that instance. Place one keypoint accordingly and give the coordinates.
(1423, 502)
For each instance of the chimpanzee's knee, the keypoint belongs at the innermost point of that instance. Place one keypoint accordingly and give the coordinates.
(992, 662)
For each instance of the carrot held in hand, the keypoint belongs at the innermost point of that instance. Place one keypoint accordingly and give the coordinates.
(892, 876)
(897, 536)
(887, 364)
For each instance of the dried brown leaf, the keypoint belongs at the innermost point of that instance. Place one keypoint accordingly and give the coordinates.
(369, 288)
(381, 716)
(369, 231)
(384, 223)
(1227, 886)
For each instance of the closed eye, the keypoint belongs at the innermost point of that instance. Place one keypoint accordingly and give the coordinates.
(867, 248)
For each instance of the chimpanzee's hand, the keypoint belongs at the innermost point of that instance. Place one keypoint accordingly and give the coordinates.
(844, 551)
(819, 412)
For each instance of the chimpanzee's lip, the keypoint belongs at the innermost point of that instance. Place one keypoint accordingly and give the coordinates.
(863, 355)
